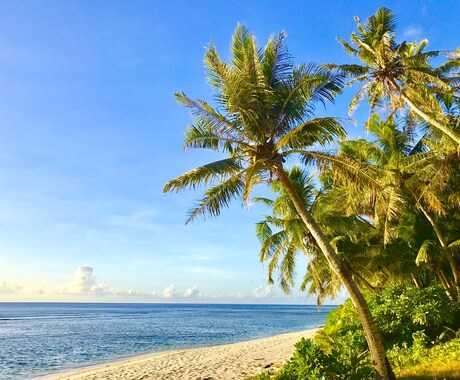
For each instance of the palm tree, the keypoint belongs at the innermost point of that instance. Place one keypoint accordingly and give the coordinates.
(371, 245)
(418, 234)
(400, 73)
(435, 187)
(265, 116)
(414, 179)
(283, 235)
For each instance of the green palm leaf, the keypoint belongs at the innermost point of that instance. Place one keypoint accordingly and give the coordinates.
(203, 175)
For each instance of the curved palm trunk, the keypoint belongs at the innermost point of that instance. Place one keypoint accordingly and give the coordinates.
(445, 247)
(361, 279)
(417, 282)
(381, 364)
(431, 120)
(443, 280)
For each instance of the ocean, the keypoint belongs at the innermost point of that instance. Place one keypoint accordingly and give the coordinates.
(42, 338)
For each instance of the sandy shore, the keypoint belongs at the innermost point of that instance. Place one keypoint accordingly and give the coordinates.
(225, 362)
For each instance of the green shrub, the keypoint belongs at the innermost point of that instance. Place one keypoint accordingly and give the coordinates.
(411, 320)
(401, 311)
(310, 362)
(404, 356)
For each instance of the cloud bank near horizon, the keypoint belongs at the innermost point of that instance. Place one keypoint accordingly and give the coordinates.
(84, 285)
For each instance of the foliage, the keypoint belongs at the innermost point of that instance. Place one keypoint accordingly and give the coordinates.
(265, 115)
(387, 213)
(310, 362)
(419, 353)
(415, 322)
(399, 311)
(402, 311)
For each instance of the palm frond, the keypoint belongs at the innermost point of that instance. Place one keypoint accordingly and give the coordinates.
(347, 47)
(287, 267)
(203, 175)
(344, 169)
(266, 201)
(210, 119)
(353, 71)
(217, 197)
(455, 244)
(263, 231)
(362, 93)
(200, 135)
(426, 252)
(321, 131)
(277, 62)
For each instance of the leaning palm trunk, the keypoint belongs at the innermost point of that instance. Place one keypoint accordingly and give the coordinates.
(363, 281)
(443, 280)
(266, 116)
(382, 368)
(429, 119)
(445, 247)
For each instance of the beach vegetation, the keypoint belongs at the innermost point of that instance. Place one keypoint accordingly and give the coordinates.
(380, 216)
(396, 74)
(265, 116)
(420, 326)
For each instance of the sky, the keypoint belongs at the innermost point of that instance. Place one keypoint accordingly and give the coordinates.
(90, 133)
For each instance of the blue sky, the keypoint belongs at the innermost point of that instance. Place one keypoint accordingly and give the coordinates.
(90, 132)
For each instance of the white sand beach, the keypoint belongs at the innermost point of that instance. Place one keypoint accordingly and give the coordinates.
(224, 362)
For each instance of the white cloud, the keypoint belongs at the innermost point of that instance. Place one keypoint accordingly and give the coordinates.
(9, 289)
(192, 292)
(169, 291)
(83, 279)
(412, 33)
(85, 286)
(263, 292)
(41, 287)
(84, 282)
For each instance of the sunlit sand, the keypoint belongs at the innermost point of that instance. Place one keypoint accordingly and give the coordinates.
(229, 361)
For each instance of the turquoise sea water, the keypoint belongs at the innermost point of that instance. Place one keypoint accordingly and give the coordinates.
(42, 338)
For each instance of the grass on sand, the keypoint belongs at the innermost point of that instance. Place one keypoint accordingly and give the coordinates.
(433, 370)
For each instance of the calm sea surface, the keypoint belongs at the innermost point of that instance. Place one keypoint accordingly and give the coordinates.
(42, 338)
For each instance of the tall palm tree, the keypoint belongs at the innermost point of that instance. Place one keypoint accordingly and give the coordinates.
(265, 116)
(400, 73)
(370, 245)
(283, 235)
(436, 188)
(414, 180)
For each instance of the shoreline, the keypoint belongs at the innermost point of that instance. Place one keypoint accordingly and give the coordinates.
(226, 361)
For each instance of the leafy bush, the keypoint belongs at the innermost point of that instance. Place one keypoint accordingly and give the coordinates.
(405, 356)
(310, 362)
(411, 320)
(402, 355)
(401, 311)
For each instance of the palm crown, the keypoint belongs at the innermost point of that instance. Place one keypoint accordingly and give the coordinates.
(400, 73)
(264, 114)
